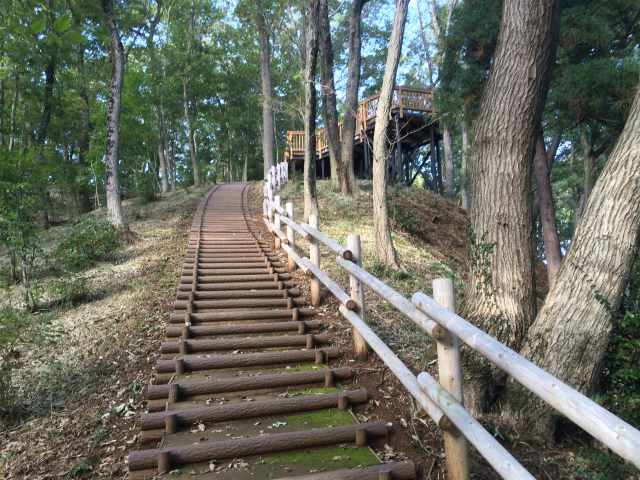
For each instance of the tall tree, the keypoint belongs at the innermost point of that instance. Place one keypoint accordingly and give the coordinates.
(310, 102)
(441, 29)
(116, 55)
(188, 97)
(348, 184)
(329, 107)
(500, 298)
(268, 131)
(385, 250)
(570, 336)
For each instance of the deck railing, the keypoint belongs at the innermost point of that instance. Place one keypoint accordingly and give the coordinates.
(441, 399)
(404, 99)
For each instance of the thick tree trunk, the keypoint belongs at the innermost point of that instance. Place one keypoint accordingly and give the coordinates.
(188, 117)
(267, 94)
(547, 209)
(116, 53)
(349, 185)
(329, 96)
(310, 101)
(385, 250)
(500, 297)
(448, 173)
(464, 172)
(571, 334)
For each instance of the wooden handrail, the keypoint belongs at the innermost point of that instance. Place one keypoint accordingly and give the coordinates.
(445, 325)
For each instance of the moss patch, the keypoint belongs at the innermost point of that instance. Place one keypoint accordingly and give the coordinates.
(331, 417)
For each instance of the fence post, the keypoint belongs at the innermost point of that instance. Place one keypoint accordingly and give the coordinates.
(277, 222)
(270, 203)
(291, 238)
(265, 200)
(314, 256)
(450, 377)
(357, 294)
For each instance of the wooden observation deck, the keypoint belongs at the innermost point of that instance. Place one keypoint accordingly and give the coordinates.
(411, 126)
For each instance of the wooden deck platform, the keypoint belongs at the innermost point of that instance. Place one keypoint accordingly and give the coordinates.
(412, 126)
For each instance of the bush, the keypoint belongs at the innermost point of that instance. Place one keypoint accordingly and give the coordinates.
(88, 242)
(68, 290)
(18, 329)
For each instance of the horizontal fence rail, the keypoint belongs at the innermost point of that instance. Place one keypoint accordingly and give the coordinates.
(441, 399)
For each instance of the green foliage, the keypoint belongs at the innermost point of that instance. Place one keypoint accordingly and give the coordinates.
(89, 241)
(146, 189)
(68, 290)
(18, 330)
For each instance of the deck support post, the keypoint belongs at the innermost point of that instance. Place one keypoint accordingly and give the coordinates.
(450, 377)
(357, 294)
(314, 256)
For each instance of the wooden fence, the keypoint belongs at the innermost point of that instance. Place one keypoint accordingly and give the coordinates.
(441, 399)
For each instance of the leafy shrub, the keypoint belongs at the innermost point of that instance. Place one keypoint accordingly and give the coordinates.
(18, 329)
(68, 290)
(146, 189)
(88, 242)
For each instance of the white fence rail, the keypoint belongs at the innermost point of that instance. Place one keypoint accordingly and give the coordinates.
(442, 401)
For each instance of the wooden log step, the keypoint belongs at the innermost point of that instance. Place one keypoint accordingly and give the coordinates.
(194, 363)
(233, 294)
(240, 303)
(260, 445)
(194, 346)
(295, 314)
(210, 330)
(260, 285)
(386, 471)
(237, 278)
(241, 410)
(205, 272)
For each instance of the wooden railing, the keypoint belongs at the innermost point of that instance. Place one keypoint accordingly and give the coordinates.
(404, 99)
(441, 399)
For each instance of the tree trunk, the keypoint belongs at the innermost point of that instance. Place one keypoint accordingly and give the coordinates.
(116, 54)
(188, 117)
(500, 297)
(571, 334)
(267, 94)
(14, 110)
(349, 185)
(311, 58)
(589, 177)
(162, 167)
(550, 237)
(329, 96)
(447, 177)
(464, 173)
(385, 250)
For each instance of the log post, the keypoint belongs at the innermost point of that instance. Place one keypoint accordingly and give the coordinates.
(314, 256)
(450, 377)
(291, 238)
(270, 202)
(357, 293)
(277, 222)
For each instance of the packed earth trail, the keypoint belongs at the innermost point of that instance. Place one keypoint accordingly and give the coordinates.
(247, 385)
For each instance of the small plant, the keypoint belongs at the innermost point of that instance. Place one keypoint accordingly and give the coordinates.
(68, 290)
(88, 242)
(18, 330)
